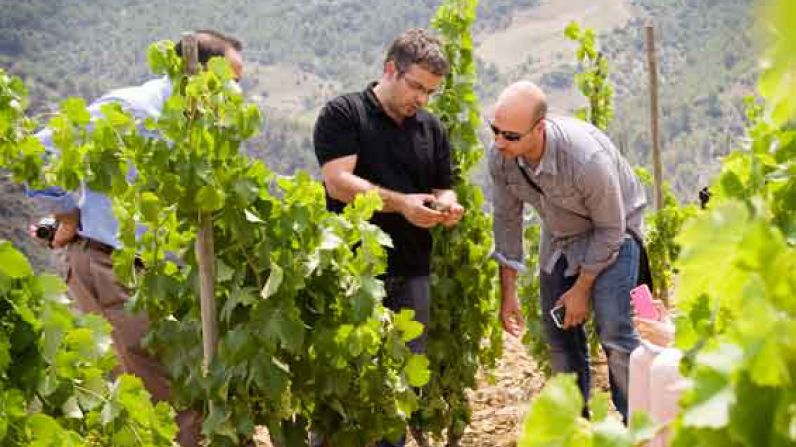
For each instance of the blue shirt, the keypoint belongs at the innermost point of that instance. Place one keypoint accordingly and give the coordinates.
(97, 221)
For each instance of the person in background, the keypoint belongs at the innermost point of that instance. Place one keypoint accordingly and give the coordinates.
(87, 230)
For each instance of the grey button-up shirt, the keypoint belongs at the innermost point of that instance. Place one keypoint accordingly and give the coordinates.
(590, 199)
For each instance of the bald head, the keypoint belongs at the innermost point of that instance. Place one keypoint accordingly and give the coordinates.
(522, 101)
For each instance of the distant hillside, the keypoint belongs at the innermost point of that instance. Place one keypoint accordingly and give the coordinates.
(67, 47)
(706, 67)
(298, 54)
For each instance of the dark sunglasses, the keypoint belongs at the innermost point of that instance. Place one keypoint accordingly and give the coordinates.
(509, 135)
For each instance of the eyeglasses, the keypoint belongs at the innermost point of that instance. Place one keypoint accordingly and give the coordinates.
(418, 87)
(510, 135)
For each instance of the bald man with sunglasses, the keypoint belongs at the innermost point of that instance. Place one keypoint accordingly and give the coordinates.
(591, 206)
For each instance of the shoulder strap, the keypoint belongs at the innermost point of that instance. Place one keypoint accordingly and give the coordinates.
(644, 270)
(528, 177)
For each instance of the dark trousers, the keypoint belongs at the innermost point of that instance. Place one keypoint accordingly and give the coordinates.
(409, 292)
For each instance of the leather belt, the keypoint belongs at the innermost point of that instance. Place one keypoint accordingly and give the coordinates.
(105, 248)
(98, 246)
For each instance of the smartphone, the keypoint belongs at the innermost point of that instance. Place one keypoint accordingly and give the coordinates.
(557, 314)
(641, 297)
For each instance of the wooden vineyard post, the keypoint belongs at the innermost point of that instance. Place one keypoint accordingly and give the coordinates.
(657, 169)
(656, 149)
(205, 252)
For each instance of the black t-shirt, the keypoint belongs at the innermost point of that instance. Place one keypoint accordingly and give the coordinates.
(413, 157)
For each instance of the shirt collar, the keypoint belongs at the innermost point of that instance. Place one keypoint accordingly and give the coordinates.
(372, 103)
(548, 162)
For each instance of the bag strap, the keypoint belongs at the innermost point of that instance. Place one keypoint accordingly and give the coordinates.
(528, 178)
(644, 270)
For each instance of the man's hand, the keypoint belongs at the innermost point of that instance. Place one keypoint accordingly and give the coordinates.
(65, 233)
(511, 316)
(576, 303)
(67, 229)
(452, 214)
(447, 203)
(417, 213)
(660, 333)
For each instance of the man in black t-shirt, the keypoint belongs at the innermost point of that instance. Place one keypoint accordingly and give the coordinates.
(382, 139)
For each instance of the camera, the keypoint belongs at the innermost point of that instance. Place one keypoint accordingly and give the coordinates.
(46, 228)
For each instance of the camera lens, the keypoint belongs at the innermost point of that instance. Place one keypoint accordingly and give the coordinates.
(46, 229)
(44, 232)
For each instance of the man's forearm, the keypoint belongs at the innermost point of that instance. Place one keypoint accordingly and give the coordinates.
(508, 282)
(347, 185)
(585, 281)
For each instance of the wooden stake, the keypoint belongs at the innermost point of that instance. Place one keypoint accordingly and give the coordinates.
(657, 169)
(205, 252)
(661, 292)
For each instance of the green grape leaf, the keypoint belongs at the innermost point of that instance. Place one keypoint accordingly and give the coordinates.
(600, 405)
(273, 282)
(417, 373)
(53, 288)
(75, 110)
(150, 206)
(410, 329)
(554, 416)
(5, 355)
(12, 263)
(642, 427)
(71, 409)
(209, 198)
(611, 433)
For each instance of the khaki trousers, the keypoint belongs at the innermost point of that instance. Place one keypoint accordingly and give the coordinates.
(94, 288)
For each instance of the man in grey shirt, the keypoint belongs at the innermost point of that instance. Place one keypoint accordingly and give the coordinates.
(590, 204)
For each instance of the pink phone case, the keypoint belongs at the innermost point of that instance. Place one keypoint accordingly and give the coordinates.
(641, 297)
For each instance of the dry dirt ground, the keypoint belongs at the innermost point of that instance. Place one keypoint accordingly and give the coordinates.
(500, 404)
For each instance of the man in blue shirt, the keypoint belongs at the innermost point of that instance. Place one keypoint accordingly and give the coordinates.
(88, 230)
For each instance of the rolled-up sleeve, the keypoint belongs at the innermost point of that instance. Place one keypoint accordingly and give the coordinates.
(599, 183)
(507, 220)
